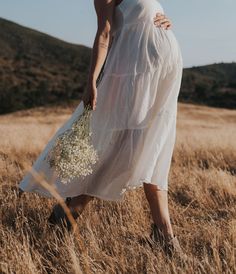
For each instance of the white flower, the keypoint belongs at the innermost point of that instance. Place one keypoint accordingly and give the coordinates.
(73, 154)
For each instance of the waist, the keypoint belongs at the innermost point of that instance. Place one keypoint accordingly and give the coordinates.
(140, 26)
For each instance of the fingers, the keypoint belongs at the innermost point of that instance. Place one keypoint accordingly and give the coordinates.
(93, 104)
(168, 26)
(159, 16)
(160, 20)
(94, 101)
(165, 24)
(90, 99)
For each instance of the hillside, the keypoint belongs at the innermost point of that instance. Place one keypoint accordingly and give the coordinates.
(213, 85)
(37, 69)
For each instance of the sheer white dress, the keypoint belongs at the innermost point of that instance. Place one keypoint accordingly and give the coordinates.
(134, 124)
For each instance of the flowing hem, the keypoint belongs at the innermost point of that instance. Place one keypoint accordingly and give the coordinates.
(124, 190)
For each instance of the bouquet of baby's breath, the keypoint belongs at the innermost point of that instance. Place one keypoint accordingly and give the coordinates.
(72, 154)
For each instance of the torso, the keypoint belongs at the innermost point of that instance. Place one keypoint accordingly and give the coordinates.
(137, 39)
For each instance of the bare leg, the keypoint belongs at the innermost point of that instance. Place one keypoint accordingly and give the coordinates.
(79, 203)
(76, 206)
(158, 202)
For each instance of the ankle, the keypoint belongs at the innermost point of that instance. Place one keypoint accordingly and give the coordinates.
(166, 229)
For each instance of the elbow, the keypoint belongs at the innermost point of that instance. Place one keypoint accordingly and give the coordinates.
(106, 35)
(105, 31)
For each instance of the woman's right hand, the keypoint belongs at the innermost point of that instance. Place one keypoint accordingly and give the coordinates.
(90, 96)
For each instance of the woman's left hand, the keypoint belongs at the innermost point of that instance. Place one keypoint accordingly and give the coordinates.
(160, 20)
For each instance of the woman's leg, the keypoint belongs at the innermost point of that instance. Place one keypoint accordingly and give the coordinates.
(158, 202)
(79, 203)
(76, 206)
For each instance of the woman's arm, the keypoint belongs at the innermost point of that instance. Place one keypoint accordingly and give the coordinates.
(104, 10)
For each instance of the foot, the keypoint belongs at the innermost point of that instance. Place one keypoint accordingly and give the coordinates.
(169, 244)
(59, 217)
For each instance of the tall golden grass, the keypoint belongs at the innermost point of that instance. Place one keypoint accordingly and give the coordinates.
(112, 235)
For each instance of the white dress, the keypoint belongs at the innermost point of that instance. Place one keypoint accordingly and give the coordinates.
(134, 124)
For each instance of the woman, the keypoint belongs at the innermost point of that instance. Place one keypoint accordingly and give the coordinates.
(134, 112)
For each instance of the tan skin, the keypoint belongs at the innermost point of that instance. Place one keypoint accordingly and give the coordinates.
(157, 198)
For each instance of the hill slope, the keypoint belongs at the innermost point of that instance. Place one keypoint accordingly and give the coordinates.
(37, 69)
(213, 85)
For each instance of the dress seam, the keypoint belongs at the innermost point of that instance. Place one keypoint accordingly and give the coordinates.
(129, 74)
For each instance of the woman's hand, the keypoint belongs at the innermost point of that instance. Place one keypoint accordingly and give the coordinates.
(90, 96)
(160, 20)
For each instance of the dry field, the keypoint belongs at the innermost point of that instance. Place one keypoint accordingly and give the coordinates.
(111, 235)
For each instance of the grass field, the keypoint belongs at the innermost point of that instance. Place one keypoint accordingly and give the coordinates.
(111, 235)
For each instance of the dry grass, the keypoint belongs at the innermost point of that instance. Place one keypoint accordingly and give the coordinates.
(111, 235)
